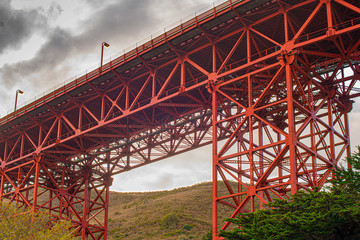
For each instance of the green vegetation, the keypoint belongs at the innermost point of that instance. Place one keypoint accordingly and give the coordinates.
(330, 214)
(170, 220)
(208, 235)
(187, 227)
(348, 180)
(15, 225)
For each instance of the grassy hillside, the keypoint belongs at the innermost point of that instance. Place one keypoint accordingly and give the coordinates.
(183, 213)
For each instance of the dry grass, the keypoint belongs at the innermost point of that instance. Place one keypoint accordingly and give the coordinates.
(183, 213)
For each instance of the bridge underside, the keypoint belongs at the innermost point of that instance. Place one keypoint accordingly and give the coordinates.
(268, 83)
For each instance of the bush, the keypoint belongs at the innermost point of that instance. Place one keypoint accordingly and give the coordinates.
(170, 220)
(187, 227)
(208, 235)
(36, 226)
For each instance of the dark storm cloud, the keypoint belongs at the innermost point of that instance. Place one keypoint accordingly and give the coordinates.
(53, 52)
(121, 23)
(117, 21)
(39, 72)
(61, 44)
(128, 21)
(17, 25)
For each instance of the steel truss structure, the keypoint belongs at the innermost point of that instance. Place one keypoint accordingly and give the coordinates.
(268, 83)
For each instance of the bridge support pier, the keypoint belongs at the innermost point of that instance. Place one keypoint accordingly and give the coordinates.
(78, 194)
(286, 134)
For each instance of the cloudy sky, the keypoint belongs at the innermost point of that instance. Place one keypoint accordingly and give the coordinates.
(44, 43)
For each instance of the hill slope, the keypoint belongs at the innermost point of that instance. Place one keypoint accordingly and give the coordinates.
(183, 213)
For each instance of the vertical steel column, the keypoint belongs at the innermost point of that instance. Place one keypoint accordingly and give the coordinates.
(291, 138)
(214, 163)
(261, 158)
(108, 182)
(87, 194)
(331, 133)
(250, 112)
(347, 129)
(2, 183)
(37, 159)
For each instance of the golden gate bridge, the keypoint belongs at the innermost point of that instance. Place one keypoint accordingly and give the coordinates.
(268, 83)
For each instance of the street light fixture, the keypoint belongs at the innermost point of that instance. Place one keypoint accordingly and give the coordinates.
(16, 97)
(104, 44)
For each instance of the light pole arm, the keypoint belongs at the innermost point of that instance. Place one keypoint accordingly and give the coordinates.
(104, 44)
(16, 97)
(102, 54)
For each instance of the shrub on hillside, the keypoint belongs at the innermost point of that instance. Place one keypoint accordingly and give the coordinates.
(35, 226)
(170, 220)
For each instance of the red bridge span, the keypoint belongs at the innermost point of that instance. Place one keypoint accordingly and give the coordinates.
(268, 83)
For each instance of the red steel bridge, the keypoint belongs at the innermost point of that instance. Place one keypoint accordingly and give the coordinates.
(269, 83)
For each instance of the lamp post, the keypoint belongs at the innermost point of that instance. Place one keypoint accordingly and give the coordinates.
(104, 44)
(16, 97)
